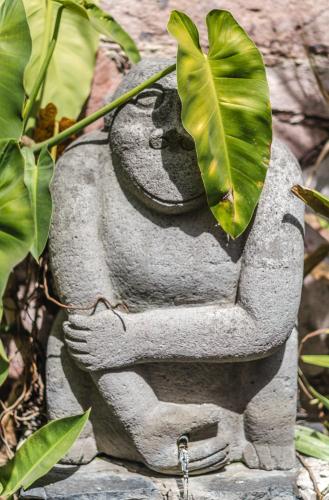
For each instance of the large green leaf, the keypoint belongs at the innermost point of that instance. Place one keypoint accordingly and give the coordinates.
(226, 109)
(37, 180)
(104, 23)
(71, 69)
(4, 364)
(316, 360)
(317, 201)
(312, 443)
(16, 222)
(15, 50)
(40, 452)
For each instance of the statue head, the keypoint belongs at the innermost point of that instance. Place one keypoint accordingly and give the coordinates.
(153, 154)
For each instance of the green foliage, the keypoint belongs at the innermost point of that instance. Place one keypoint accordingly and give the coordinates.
(317, 201)
(70, 71)
(16, 220)
(15, 50)
(316, 360)
(312, 443)
(37, 179)
(4, 364)
(104, 23)
(226, 109)
(40, 452)
(322, 399)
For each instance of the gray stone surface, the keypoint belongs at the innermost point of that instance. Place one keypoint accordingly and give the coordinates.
(203, 341)
(103, 480)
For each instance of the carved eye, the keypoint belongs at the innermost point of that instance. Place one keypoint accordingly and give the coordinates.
(149, 99)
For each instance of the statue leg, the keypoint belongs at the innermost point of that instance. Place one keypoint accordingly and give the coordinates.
(155, 426)
(69, 392)
(270, 413)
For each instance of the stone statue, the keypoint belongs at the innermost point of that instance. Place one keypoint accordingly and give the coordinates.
(200, 338)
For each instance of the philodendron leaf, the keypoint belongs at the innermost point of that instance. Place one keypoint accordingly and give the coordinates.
(40, 452)
(37, 179)
(226, 109)
(70, 71)
(16, 222)
(312, 443)
(4, 364)
(15, 50)
(104, 23)
(316, 360)
(317, 201)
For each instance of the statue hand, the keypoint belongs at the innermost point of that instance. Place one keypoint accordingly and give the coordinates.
(98, 342)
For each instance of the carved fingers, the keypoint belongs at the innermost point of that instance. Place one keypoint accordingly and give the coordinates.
(269, 456)
(98, 342)
(76, 338)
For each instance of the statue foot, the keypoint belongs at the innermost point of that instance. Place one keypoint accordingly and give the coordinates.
(167, 422)
(269, 456)
(82, 452)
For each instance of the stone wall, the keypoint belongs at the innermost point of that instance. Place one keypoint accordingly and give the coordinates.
(301, 116)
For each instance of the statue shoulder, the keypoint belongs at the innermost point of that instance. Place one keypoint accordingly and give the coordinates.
(278, 209)
(83, 159)
(284, 170)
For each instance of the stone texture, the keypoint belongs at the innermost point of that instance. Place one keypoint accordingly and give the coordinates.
(320, 471)
(301, 117)
(200, 339)
(103, 480)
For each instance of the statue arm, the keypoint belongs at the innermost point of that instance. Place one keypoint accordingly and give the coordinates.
(76, 223)
(269, 288)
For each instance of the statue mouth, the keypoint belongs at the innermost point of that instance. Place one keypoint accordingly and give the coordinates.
(171, 203)
(165, 194)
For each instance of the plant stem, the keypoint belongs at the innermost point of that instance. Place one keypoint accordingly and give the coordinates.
(102, 111)
(43, 70)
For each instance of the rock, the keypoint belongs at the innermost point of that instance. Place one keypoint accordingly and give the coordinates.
(103, 480)
(320, 470)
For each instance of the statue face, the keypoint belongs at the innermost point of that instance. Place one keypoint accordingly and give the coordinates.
(152, 153)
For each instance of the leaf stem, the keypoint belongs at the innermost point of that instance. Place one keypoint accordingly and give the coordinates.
(103, 111)
(44, 68)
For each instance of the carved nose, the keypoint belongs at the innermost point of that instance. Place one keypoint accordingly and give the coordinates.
(172, 138)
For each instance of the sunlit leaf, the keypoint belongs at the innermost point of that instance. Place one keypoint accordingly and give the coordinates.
(317, 201)
(226, 109)
(16, 221)
(71, 70)
(37, 179)
(104, 23)
(4, 364)
(40, 452)
(312, 443)
(316, 359)
(15, 50)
